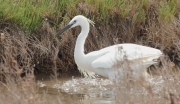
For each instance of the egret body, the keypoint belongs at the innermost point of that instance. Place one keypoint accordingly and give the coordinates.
(103, 61)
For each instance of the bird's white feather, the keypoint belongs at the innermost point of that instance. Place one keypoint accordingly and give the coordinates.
(131, 52)
(91, 22)
(102, 61)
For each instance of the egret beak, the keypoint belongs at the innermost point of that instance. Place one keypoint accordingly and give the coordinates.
(64, 29)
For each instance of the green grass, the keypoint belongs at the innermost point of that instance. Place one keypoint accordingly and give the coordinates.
(30, 14)
(167, 10)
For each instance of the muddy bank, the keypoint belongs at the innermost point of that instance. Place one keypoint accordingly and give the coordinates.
(24, 56)
(39, 52)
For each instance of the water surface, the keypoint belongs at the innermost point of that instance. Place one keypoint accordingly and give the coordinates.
(77, 89)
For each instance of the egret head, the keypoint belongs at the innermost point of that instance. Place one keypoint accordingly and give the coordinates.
(76, 21)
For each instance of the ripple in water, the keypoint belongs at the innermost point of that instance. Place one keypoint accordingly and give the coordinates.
(84, 85)
(102, 90)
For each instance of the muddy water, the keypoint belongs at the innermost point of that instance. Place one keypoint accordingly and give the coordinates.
(74, 88)
(70, 88)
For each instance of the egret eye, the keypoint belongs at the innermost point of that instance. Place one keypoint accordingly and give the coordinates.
(74, 21)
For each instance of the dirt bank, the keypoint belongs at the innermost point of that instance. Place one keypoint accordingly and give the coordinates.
(39, 52)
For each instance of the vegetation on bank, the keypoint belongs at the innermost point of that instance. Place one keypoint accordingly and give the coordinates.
(30, 14)
(154, 23)
(151, 23)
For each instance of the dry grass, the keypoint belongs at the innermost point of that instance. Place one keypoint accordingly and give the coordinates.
(163, 88)
(42, 50)
(38, 50)
(23, 55)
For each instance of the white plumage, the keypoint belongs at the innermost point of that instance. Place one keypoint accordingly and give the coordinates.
(104, 61)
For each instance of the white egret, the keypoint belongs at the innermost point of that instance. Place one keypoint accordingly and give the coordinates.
(103, 61)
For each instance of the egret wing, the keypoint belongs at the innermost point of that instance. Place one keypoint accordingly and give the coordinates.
(133, 53)
(104, 61)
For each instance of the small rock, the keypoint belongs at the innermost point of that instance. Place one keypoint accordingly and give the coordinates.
(2, 37)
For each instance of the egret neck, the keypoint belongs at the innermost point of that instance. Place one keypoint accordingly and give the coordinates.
(79, 47)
